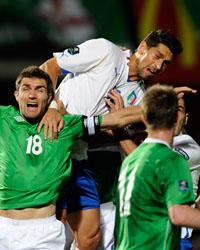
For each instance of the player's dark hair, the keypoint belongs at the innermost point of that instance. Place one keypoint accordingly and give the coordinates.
(166, 38)
(160, 106)
(35, 72)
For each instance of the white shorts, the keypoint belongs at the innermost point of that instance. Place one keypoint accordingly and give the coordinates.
(69, 237)
(107, 225)
(46, 233)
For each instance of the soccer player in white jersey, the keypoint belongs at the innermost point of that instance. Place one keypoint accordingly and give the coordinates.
(93, 69)
(185, 145)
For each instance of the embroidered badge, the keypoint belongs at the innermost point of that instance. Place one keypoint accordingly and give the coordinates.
(73, 51)
(183, 185)
(131, 98)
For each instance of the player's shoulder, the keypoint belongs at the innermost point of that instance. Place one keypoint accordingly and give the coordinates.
(176, 158)
(100, 40)
(8, 110)
(70, 120)
(165, 154)
(100, 45)
(10, 115)
(183, 140)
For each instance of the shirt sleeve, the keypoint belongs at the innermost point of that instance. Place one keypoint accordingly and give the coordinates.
(83, 57)
(73, 126)
(177, 182)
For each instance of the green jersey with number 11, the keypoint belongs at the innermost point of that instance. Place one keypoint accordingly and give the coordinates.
(152, 179)
(32, 170)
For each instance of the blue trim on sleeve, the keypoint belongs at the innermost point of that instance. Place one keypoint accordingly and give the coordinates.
(65, 72)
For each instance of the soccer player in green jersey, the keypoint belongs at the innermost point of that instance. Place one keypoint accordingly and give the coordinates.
(32, 169)
(155, 188)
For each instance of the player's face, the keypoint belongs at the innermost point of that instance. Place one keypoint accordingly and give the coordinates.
(32, 98)
(152, 61)
(182, 116)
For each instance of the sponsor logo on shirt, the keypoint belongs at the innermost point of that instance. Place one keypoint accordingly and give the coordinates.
(19, 118)
(131, 98)
(182, 152)
(73, 50)
(183, 185)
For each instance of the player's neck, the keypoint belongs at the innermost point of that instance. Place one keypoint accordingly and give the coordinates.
(162, 134)
(32, 120)
(132, 74)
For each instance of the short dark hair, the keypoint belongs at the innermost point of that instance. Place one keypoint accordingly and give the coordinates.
(35, 72)
(166, 38)
(160, 106)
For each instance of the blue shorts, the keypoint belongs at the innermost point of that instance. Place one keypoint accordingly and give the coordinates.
(80, 192)
(186, 244)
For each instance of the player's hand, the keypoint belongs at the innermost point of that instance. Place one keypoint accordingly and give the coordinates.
(61, 109)
(180, 91)
(114, 101)
(52, 122)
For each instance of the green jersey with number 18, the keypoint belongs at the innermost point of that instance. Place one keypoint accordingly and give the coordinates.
(32, 169)
(152, 179)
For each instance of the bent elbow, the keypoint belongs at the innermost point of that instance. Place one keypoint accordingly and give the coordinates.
(177, 216)
(176, 220)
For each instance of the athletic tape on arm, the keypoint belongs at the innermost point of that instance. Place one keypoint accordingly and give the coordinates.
(91, 124)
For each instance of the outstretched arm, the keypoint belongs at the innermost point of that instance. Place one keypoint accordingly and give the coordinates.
(115, 120)
(52, 68)
(121, 117)
(180, 91)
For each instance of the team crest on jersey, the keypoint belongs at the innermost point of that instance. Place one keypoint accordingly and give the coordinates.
(182, 152)
(73, 50)
(19, 118)
(183, 185)
(131, 98)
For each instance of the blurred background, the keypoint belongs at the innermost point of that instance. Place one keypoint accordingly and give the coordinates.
(31, 30)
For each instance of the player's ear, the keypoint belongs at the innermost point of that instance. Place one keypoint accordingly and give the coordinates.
(16, 94)
(142, 48)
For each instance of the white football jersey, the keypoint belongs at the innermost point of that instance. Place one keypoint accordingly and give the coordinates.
(185, 145)
(94, 68)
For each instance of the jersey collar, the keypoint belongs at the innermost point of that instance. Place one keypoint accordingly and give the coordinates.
(152, 140)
